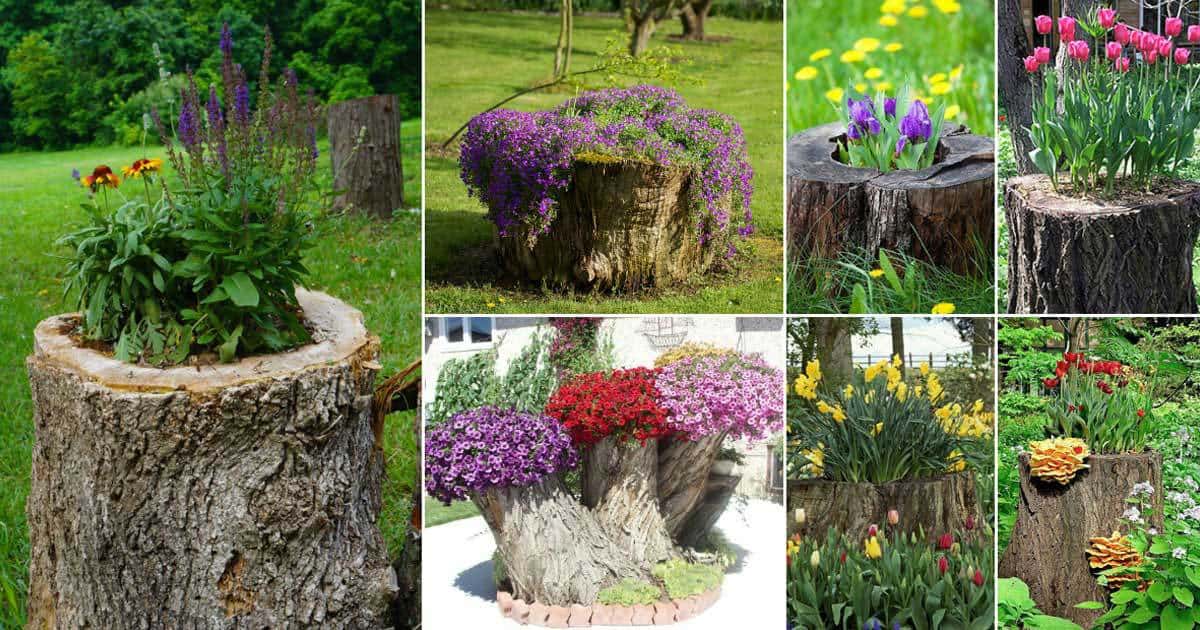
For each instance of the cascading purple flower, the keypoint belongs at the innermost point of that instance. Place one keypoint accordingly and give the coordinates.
(733, 394)
(491, 447)
(916, 125)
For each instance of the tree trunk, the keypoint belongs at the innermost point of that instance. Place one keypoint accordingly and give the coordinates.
(643, 29)
(620, 226)
(620, 482)
(833, 348)
(364, 138)
(692, 16)
(936, 505)
(718, 491)
(1069, 255)
(1054, 523)
(233, 495)
(938, 214)
(554, 550)
(683, 469)
(1016, 85)
(562, 51)
(897, 326)
(982, 340)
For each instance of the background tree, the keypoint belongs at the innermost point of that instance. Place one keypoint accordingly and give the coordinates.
(562, 51)
(642, 18)
(693, 14)
(897, 326)
(1015, 89)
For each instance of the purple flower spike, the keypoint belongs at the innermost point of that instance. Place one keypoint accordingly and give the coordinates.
(215, 120)
(189, 126)
(226, 40)
(241, 104)
(889, 107)
(916, 125)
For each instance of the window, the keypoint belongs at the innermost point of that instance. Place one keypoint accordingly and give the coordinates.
(466, 333)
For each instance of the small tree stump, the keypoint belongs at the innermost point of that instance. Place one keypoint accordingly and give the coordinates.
(369, 177)
(620, 485)
(935, 214)
(717, 493)
(1070, 255)
(224, 496)
(1054, 523)
(683, 470)
(554, 550)
(935, 505)
(620, 226)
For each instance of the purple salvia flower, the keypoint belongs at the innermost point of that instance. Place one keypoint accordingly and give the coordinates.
(241, 104)
(189, 127)
(215, 119)
(226, 40)
(314, 153)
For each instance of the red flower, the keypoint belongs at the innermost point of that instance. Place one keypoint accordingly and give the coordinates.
(1050, 383)
(1073, 357)
(978, 579)
(1061, 369)
(1078, 450)
(101, 176)
(1104, 387)
(843, 557)
(873, 530)
(943, 564)
(945, 541)
(970, 522)
(597, 405)
(1141, 413)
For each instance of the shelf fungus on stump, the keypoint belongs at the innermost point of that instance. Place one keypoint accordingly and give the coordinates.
(1110, 553)
(1057, 459)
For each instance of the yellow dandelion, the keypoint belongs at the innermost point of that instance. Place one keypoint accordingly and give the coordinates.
(835, 95)
(491, 305)
(853, 56)
(867, 44)
(876, 273)
(873, 73)
(861, 88)
(884, 86)
(937, 78)
(918, 12)
(820, 54)
(806, 73)
(888, 20)
(947, 6)
(942, 308)
(953, 111)
(956, 72)
(938, 89)
(893, 7)
(894, 47)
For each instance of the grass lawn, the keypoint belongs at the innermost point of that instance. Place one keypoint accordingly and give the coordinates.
(474, 59)
(372, 265)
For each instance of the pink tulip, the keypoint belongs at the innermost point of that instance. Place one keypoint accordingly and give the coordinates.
(1107, 17)
(1181, 56)
(1066, 28)
(1121, 33)
(1112, 50)
(1193, 34)
(1151, 56)
(1042, 54)
(1146, 41)
(1044, 24)
(1135, 38)
(1174, 26)
(1164, 47)
(1031, 64)
(1121, 64)
(1078, 50)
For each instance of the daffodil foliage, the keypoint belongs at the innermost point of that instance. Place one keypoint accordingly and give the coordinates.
(882, 426)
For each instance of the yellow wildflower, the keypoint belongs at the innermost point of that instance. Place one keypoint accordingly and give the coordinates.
(894, 7)
(806, 73)
(956, 72)
(939, 89)
(867, 44)
(848, 392)
(853, 56)
(938, 78)
(947, 6)
(953, 111)
(820, 54)
(918, 12)
(876, 273)
(888, 20)
(884, 86)
(894, 47)
(873, 73)
(861, 88)
(835, 95)
(878, 429)
(943, 308)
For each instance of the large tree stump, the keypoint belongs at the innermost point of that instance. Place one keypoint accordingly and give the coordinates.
(364, 140)
(554, 550)
(621, 225)
(937, 214)
(233, 495)
(1054, 523)
(1071, 255)
(717, 492)
(935, 505)
(683, 471)
(620, 484)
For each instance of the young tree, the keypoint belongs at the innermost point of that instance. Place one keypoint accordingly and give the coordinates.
(562, 52)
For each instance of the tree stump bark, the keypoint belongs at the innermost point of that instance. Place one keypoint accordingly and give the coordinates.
(717, 492)
(553, 548)
(1069, 255)
(364, 139)
(226, 496)
(935, 214)
(620, 226)
(1054, 523)
(683, 471)
(620, 482)
(936, 505)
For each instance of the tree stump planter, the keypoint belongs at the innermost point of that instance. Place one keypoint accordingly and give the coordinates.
(935, 505)
(620, 484)
(683, 471)
(1054, 523)
(717, 493)
(661, 613)
(620, 226)
(232, 495)
(934, 214)
(1070, 255)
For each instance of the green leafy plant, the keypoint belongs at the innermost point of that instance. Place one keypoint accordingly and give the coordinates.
(843, 581)
(1018, 610)
(1104, 403)
(1023, 352)
(684, 579)
(473, 382)
(628, 592)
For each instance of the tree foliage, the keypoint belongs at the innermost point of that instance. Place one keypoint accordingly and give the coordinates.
(82, 72)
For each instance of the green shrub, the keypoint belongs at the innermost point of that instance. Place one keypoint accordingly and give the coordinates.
(628, 592)
(1018, 610)
(684, 579)
(1013, 404)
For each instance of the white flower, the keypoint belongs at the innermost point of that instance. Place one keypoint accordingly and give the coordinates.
(1181, 497)
(1143, 488)
(1191, 483)
(1132, 514)
(1192, 513)
(1179, 553)
(1153, 531)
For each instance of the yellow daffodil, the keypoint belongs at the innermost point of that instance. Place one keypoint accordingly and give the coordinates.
(853, 56)
(867, 44)
(835, 95)
(878, 429)
(806, 73)
(873, 73)
(848, 392)
(805, 387)
(813, 369)
(838, 414)
(918, 12)
(934, 387)
(820, 54)
(942, 308)
(902, 391)
(924, 368)
(957, 463)
(872, 549)
(816, 460)
(893, 47)
(888, 20)
(897, 361)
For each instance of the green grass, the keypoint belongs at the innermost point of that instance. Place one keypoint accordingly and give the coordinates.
(372, 265)
(934, 44)
(437, 513)
(476, 59)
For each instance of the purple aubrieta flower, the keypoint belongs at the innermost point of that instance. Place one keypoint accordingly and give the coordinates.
(916, 125)
(889, 107)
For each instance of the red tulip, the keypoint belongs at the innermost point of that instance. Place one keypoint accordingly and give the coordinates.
(1066, 28)
(978, 579)
(1044, 24)
(1106, 17)
(1122, 64)
(1112, 50)
(1031, 64)
(943, 564)
(873, 530)
(945, 541)
(1181, 56)
(1121, 33)
(1193, 34)
(1141, 413)
(1173, 26)
(1042, 54)
(1050, 383)
(1073, 357)
(970, 524)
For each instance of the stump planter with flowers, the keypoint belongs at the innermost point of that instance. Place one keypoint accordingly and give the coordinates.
(205, 448)
(1108, 227)
(891, 180)
(883, 446)
(1076, 485)
(615, 189)
(560, 551)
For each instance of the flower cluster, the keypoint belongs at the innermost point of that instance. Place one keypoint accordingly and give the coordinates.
(1057, 459)
(1105, 102)
(519, 163)
(621, 403)
(690, 349)
(879, 137)
(733, 394)
(1103, 402)
(491, 447)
